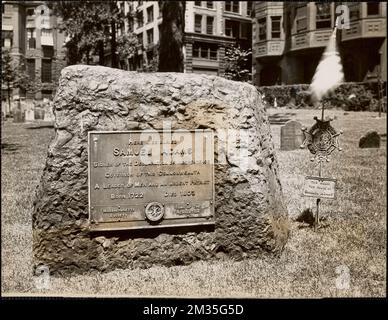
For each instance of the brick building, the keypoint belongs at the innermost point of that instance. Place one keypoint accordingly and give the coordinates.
(29, 32)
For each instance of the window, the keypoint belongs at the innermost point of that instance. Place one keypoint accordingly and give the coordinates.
(46, 70)
(198, 23)
(46, 32)
(130, 24)
(7, 42)
(232, 28)
(301, 18)
(205, 50)
(150, 14)
(31, 38)
(209, 4)
(354, 10)
(232, 6)
(30, 11)
(373, 8)
(48, 51)
(31, 68)
(209, 25)
(228, 28)
(140, 18)
(262, 24)
(245, 30)
(150, 36)
(275, 27)
(249, 8)
(197, 3)
(323, 17)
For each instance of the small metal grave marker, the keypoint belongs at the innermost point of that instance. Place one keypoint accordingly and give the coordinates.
(321, 140)
(319, 187)
(291, 136)
(150, 179)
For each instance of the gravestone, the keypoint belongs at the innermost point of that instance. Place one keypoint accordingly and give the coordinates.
(370, 140)
(238, 209)
(291, 135)
(48, 112)
(29, 115)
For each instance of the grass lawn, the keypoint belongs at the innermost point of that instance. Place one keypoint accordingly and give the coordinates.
(345, 258)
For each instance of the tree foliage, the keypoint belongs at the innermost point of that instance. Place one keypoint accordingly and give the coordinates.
(127, 46)
(237, 64)
(8, 75)
(91, 27)
(172, 33)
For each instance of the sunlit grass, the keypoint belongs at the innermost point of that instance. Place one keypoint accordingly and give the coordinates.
(354, 233)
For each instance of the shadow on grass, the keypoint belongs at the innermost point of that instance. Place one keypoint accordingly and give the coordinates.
(10, 147)
(41, 126)
(283, 115)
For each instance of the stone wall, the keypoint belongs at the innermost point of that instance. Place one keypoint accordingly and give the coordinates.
(250, 216)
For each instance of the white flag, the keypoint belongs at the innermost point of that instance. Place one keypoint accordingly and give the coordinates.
(329, 73)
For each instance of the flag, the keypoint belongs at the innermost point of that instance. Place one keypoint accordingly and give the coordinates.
(329, 73)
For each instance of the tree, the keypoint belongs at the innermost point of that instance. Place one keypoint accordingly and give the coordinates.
(126, 47)
(172, 33)
(7, 72)
(91, 26)
(237, 64)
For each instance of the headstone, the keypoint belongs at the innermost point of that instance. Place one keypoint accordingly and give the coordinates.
(30, 115)
(236, 205)
(291, 135)
(18, 114)
(39, 113)
(370, 140)
(48, 112)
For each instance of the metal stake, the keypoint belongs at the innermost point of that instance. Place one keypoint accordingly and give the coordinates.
(316, 224)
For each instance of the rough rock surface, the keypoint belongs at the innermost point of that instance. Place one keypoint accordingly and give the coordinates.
(371, 139)
(250, 214)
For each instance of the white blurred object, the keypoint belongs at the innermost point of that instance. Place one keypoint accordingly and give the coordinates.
(275, 103)
(329, 73)
(352, 96)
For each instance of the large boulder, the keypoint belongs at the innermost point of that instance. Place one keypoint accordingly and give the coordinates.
(250, 216)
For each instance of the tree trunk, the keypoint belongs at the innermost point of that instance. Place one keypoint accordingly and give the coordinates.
(171, 40)
(113, 45)
(9, 96)
(101, 53)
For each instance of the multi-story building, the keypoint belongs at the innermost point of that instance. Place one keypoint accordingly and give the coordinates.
(289, 39)
(210, 27)
(29, 31)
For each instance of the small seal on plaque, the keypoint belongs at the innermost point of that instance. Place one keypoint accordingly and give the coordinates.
(154, 211)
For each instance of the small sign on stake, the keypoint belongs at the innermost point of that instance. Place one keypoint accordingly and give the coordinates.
(319, 187)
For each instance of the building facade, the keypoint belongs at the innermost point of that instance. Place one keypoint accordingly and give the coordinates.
(210, 27)
(30, 33)
(289, 39)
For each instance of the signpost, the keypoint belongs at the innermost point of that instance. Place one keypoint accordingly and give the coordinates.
(321, 140)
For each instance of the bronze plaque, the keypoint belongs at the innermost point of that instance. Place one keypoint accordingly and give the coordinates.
(150, 179)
